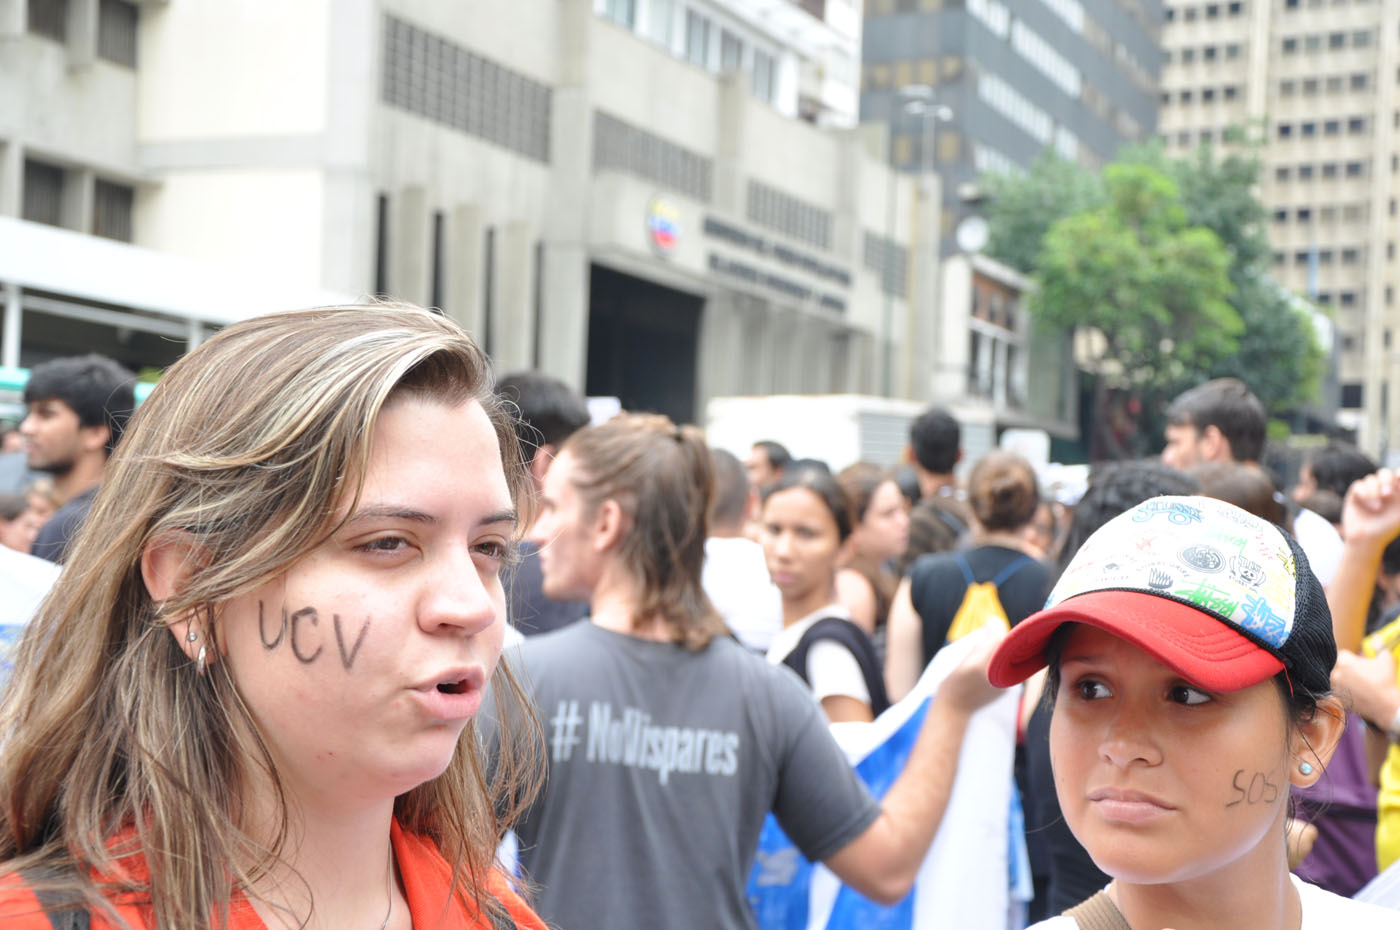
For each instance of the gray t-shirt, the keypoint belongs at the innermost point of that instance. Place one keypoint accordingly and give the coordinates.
(662, 766)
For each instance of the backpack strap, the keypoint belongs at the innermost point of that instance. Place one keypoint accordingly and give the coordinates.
(966, 567)
(857, 643)
(1012, 567)
(1098, 913)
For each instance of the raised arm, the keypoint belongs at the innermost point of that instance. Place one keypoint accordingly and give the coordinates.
(1370, 520)
(883, 861)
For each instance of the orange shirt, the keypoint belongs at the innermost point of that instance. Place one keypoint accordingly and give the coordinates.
(426, 880)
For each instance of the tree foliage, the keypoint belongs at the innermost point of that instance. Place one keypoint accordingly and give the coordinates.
(1277, 352)
(1135, 270)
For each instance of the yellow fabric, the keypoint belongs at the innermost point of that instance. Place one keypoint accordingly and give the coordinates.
(1388, 803)
(980, 606)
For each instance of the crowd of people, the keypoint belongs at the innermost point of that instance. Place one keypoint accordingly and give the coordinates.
(319, 645)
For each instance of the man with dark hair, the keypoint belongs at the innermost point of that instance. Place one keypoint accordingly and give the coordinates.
(550, 412)
(766, 463)
(1219, 421)
(735, 575)
(78, 408)
(935, 445)
(1222, 421)
(1332, 467)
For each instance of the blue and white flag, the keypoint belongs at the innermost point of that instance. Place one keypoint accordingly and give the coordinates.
(964, 881)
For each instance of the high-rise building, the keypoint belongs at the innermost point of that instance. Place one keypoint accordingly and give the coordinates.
(1318, 79)
(1015, 78)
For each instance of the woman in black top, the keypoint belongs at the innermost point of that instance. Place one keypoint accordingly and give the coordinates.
(1003, 496)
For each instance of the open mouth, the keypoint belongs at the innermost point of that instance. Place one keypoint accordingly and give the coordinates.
(453, 687)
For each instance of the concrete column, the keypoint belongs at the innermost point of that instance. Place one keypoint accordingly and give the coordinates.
(513, 303)
(408, 246)
(466, 271)
(721, 355)
(729, 150)
(564, 313)
(195, 334)
(82, 34)
(14, 331)
(75, 209)
(11, 178)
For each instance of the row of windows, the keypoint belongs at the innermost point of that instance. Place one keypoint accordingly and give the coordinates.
(1206, 53)
(784, 213)
(624, 147)
(1186, 137)
(1326, 170)
(1303, 257)
(116, 26)
(1204, 94)
(1333, 84)
(46, 187)
(1307, 129)
(1291, 5)
(929, 71)
(1204, 11)
(720, 51)
(1334, 41)
(1349, 213)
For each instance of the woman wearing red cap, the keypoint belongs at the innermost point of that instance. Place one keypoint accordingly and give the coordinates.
(1189, 650)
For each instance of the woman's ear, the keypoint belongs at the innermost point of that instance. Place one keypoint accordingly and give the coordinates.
(166, 565)
(1314, 740)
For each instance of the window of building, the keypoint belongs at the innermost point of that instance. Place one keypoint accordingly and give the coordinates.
(1310, 86)
(1183, 138)
(1335, 84)
(623, 12)
(1351, 256)
(1360, 81)
(49, 18)
(1301, 257)
(697, 38)
(1353, 212)
(1351, 395)
(111, 210)
(1186, 96)
(43, 193)
(1208, 95)
(1285, 130)
(1280, 258)
(1390, 251)
(1280, 216)
(1324, 256)
(1236, 8)
(1287, 88)
(1305, 172)
(1304, 214)
(1188, 55)
(1233, 50)
(1208, 53)
(1361, 38)
(1312, 43)
(1207, 136)
(1327, 214)
(765, 68)
(1166, 98)
(1189, 14)
(116, 31)
(1231, 92)
(1329, 169)
(1337, 40)
(1290, 45)
(1281, 173)
(731, 51)
(1212, 11)
(1347, 298)
(1356, 169)
(1356, 125)
(1332, 127)
(1307, 129)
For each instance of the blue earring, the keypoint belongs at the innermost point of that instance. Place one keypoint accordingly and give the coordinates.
(1306, 768)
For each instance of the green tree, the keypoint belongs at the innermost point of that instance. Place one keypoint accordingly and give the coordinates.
(1022, 208)
(1137, 272)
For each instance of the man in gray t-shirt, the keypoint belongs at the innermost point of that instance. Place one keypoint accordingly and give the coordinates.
(677, 756)
(667, 741)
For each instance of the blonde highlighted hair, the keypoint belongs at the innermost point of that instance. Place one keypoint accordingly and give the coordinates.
(248, 448)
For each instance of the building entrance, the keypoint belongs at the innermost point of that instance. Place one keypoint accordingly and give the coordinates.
(643, 341)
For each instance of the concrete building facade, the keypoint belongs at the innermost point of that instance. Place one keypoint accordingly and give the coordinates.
(1075, 76)
(1319, 81)
(584, 198)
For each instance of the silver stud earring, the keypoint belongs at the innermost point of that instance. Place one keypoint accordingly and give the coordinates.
(1306, 768)
(192, 636)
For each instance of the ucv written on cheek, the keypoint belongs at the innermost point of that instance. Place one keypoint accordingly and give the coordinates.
(290, 631)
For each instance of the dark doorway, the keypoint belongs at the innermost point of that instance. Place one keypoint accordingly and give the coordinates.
(642, 344)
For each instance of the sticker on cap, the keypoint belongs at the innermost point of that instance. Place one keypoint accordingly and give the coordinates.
(1206, 552)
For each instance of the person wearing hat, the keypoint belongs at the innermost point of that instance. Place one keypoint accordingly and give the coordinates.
(1189, 652)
